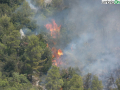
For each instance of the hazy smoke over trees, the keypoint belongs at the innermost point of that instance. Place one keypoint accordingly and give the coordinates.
(96, 47)
(94, 32)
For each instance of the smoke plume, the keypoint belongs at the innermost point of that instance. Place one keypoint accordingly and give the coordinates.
(96, 45)
(94, 32)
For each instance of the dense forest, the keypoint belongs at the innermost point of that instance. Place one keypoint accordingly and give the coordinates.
(28, 50)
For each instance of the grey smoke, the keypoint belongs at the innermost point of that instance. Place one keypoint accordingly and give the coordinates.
(31, 5)
(97, 48)
(96, 35)
(47, 2)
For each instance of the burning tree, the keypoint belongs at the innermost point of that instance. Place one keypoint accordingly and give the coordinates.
(55, 32)
(54, 29)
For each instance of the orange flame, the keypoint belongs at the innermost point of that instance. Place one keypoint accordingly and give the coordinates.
(55, 62)
(53, 56)
(56, 53)
(47, 45)
(61, 88)
(60, 52)
(54, 29)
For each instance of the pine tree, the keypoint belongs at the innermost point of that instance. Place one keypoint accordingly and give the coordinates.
(76, 83)
(96, 83)
(12, 41)
(32, 55)
(54, 82)
(87, 81)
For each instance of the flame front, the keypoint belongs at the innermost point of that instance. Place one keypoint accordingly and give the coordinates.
(54, 29)
(56, 56)
(60, 52)
(47, 45)
(56, 53)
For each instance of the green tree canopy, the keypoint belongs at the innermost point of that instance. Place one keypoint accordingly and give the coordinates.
(32, 55)
(6, 25)
(87, 81)
(57, 3)
(76, 83)
(22, 17)
(96, 83)
(54, 82)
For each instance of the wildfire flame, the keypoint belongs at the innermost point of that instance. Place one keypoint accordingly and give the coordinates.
(56, 53)
(55, 62)
(61, 88)
(47, 45)
(60, 52)
(57, 56)
(54, 29)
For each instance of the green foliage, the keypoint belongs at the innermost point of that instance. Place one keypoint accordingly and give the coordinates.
(9, 67)
(118, 83)
(87, 81)
(5, 21)
(20, 55)
(39, 3)
(47, 53)
(76, 83)
(3, 83)
(5, 9)
(54, 82)
(4, 1)
(48, 57)
(49, 11)
(33, 53)
(57, 3)
(6, 25)
(42, 40)
(12, 41)
(89, 89)
(1, 33)
(96, 84)
(16, 82)
(2, 50)
(67, 74)
(11, 2)
(21, 18)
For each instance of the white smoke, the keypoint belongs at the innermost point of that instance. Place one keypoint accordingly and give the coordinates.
(97, 49)
(22, 33)
(31, 5)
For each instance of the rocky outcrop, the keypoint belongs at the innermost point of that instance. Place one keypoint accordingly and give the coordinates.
(35, 81)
